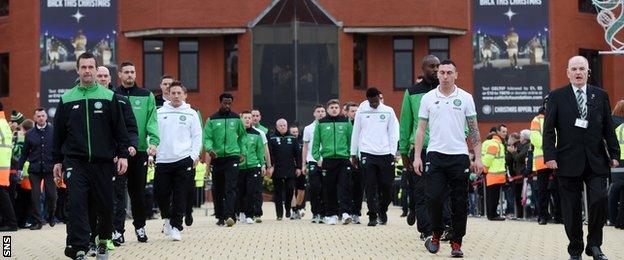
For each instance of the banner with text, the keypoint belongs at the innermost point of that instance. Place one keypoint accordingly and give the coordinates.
(70, 28)
(510, 58)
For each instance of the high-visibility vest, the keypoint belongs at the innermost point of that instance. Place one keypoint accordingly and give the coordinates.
(619, 132)
(200, 173)
(493, 158)
(6, 143)
(537, 130)
(150, 174)
(25, 182)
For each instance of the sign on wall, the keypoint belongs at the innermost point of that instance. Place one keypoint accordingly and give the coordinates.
(68, 29)
(510, 58)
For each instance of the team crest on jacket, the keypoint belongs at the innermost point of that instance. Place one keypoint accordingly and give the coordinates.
(457, 102)
(97, 105)
(137, 102)
(182, 118)
(382, 117)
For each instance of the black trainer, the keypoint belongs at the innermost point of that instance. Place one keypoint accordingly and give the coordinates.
(141, 234)
(411, 218)
(188, 220)
(221, 223)
(372, 222)
(383, 218)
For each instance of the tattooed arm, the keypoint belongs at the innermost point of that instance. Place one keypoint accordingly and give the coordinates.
(475, 139)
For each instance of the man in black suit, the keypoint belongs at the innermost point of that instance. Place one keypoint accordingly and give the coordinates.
(578, 120)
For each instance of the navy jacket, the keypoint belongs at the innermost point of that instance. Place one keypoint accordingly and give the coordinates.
(38, 150)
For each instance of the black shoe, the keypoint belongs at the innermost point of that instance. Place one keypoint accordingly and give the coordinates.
(542, 221)
(188, 220)
(372, 222)
(8, 229)
(575, 257)
(52, 222)
(497, 219)
(70, 252)
(595, 252)
(141, 235)
(424, 236)
(36, 226)
(411, 218)
(279, 218)
(404, 214)
(102, 251)
(221, 223)
(383, 218)
(288, 214)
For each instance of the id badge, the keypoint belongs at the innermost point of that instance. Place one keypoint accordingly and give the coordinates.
(582, 123)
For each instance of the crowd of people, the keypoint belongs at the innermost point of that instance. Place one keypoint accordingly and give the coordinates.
(106, 142)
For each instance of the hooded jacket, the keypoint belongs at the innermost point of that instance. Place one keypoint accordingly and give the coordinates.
(180, 132)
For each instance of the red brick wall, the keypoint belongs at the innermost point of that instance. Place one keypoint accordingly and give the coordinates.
(19, 36)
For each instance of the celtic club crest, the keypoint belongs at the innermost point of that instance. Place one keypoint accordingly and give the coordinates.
(612, 23)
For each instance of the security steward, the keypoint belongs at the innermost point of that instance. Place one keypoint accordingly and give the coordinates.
(89, 137)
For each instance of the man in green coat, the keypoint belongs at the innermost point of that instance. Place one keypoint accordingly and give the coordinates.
(331, 148)
(144, 109)
(408, 126)
(224, 140)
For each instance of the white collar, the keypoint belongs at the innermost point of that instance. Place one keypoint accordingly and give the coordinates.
(39, 127)
(583, 88)
(440, 95)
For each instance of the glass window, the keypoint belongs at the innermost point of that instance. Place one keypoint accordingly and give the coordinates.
(4, 75)
(188, 51)
(4, 7)
(403, 62)
(359, 61)
(586, 6)
(439, 46)
(152, 63)
(231, 62)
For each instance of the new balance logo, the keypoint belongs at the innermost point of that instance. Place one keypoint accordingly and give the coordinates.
(76, 107)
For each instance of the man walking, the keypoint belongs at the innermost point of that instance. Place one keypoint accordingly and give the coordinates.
(89, 134)
(37, 151)
(409, 119)
(580, 143)
(251, 173)
(331, 149)
(224, 140)
(311, 168)
(446, 111)
(286, 158)
(178, 153)
(144, 108)
(9, 221)
(375, 137)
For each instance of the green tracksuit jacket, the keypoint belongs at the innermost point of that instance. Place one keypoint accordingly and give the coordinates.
(332, 138)
(144, 108)
(254, 157)
(224, 134)
(409, 116)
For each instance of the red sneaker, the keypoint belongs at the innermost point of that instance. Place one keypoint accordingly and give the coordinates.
(456, 250)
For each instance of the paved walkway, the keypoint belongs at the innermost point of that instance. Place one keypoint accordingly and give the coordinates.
(300, 239)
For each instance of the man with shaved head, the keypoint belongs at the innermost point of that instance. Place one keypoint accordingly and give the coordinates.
(286, 157)
(581, 145)
(408, 126)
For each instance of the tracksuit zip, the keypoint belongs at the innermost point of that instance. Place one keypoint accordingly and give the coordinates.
(84, 94)
(225, 138)
(334, 139)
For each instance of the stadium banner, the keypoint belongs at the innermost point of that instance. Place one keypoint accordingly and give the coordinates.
(70, 28)
(510, 58)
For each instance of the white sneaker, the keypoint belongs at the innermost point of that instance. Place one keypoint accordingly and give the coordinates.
(356, 219)
(241, 217)
(175, 234)
(167, 227)
(324, 220)
(249, 220)
(346, 219)
(332, 220)
(302, 213)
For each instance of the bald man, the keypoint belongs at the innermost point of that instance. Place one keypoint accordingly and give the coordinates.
(580, 144)
(286, 158)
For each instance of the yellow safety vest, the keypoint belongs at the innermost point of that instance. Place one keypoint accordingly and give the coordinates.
(6, 153)
(493, 158)
(150, 173)
(537, 130)
(200, 173)
(619, 132)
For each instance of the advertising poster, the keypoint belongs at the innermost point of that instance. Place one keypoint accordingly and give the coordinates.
(510, 64)
(68, 29)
